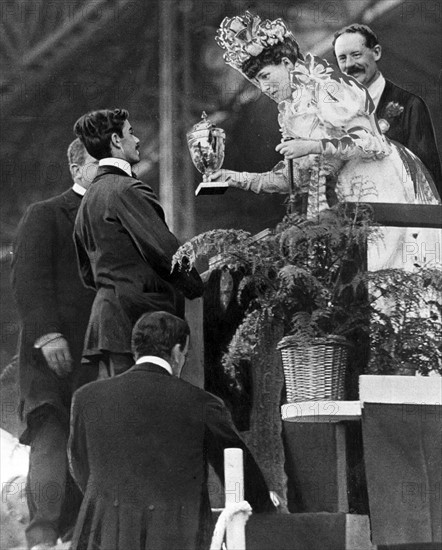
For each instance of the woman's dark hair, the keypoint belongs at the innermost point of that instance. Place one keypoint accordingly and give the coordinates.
(271, 56)
(96, 128)
(157, 333)
(371, 40)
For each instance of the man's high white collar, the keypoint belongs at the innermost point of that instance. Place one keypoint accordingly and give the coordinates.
(156, 360)
(376, 88)
(118, 163)
(79, 189)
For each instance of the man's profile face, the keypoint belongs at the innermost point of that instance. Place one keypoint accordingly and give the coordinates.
(130, 144)
(356, 59)
(181, 358)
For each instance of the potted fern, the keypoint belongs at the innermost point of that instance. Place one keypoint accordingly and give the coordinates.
(308, 276)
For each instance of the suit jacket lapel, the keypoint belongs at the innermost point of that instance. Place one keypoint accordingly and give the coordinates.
(385, 96)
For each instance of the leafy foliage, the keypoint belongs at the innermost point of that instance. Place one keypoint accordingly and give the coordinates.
(406, 321)
(301, 274)
(308, 275)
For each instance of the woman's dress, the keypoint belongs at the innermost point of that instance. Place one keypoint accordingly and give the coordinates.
(363, 164)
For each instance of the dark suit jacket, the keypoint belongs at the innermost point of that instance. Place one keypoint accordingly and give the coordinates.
(138, 448)
(50, 297)
(413, 128)
(125, 251)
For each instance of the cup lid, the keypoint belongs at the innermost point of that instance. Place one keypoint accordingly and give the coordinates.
(204, 124)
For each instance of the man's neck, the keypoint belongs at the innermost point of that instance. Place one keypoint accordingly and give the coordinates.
(376, 88)
(374, 79)
(156, 361)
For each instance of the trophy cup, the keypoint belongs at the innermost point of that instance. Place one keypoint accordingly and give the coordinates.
(206, 146)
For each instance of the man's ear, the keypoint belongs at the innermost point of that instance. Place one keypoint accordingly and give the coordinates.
(175, 357)
(75, 171)
(175, 353)
(288, 64)
(115, 141)
(377, 51)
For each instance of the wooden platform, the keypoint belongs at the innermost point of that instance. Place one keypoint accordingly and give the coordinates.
(321, 531)
(321, 411)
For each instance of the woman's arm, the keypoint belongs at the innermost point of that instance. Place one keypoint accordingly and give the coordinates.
(274, 181)
(357, 142)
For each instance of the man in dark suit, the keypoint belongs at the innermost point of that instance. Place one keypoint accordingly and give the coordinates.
(123, 244)
(54, 309)
(404, 117)
(139, 447)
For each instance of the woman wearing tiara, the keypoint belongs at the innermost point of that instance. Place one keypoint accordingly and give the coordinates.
(329, 131)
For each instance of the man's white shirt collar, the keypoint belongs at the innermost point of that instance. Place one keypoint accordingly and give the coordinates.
(76, 188)
(156, 360)
(376, 88)
(118, 163)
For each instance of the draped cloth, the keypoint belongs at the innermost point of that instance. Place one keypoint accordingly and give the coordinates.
(404, 480)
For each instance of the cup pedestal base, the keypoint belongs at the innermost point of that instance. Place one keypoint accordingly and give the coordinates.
(211, 188)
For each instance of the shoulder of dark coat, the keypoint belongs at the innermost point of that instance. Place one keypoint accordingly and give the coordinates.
(100, 388)
(402, 96)
(112, 184)
(52, 203)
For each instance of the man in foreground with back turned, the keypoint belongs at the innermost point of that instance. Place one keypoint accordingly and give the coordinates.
(139, 448)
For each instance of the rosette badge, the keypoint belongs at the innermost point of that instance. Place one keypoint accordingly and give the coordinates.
(206, 145)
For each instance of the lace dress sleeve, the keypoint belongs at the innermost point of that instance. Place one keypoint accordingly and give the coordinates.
(274, 181)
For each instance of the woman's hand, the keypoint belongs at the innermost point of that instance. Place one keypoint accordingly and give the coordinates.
(296, 148)
(230, 176)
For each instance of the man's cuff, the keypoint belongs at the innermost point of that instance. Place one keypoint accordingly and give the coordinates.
(43, 340)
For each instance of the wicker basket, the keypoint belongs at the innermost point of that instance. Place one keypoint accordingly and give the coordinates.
(316, 371)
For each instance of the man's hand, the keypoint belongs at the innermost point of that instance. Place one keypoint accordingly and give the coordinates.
(296, 148)
(58, 357)
(280, 505)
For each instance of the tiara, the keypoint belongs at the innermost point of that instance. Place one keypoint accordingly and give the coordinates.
(246, 36)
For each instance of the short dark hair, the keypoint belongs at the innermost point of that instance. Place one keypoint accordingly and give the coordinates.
(157, 333)
(271, 56)
(96, 128)
(371, 40)
(76, 153)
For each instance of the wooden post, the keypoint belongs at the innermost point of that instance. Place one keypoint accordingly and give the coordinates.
(193, 371)
(234, 491)
(187, 221)
(166, 145)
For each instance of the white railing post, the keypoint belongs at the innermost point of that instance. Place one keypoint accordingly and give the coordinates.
(234, 491)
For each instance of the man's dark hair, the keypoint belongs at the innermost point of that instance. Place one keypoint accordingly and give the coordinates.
(371, 40)
(96, 128)
(157, 333)
(271, 56)
(76, 152)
